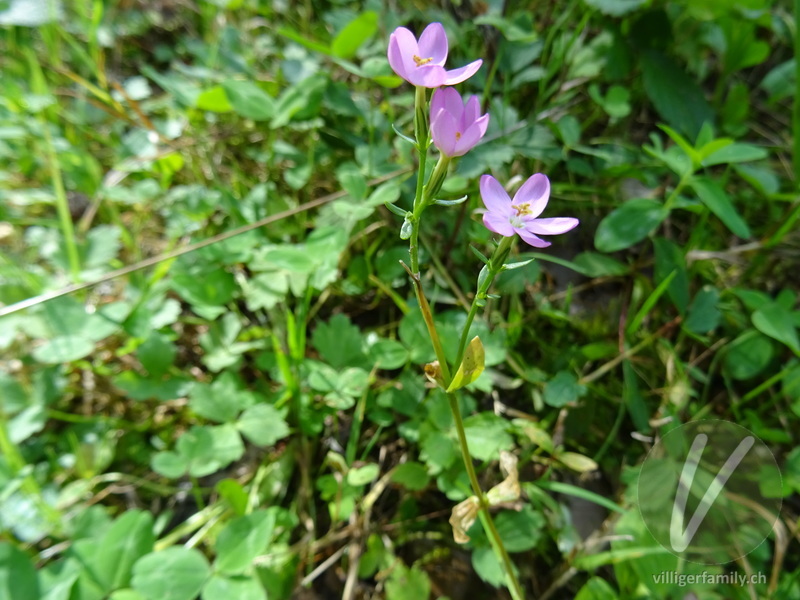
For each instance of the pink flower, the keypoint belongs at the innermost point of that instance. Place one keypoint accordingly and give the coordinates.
(422, 63)
(507, 217)
(456, 127)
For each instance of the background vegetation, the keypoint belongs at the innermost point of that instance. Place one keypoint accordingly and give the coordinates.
(249, 419)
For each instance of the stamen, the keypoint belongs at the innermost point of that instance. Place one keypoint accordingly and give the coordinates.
(421, 61)
(458, 135)
(522, 209)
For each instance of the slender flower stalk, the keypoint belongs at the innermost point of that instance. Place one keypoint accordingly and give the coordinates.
(423, 197)
(455, 127)
(485, 280)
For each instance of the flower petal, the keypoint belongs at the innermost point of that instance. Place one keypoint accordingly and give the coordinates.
(472, 109)
(448, 99)
(433, 44)
(458, 75)
(468, 139)
(483, 124)
(536, 192)
(495, 197)
(554, 226)
(443, 132)
(402, 48)
(498, 224)
(429, 76)
(531, 239)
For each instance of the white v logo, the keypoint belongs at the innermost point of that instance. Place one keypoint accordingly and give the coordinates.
(679, 537)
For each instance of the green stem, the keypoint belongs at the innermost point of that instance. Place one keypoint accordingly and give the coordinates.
(421, 135)
(512, 583)
(796, 124)
(679, 188)
(423, 196)
(489, 272)
(486, 517)
(62, 205)
(427, 315)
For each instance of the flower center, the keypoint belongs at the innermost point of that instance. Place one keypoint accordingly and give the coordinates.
(522, 209)
(421, 61)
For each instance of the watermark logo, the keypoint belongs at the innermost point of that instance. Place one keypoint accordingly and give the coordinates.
(706, 578)
(704, 491)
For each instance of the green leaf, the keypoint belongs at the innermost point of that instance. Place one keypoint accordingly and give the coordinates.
(249, 100)
(616, 8)
(145, 388)
(126, 594)
(211, 290)
(411, 475)
(593, 264)
(704, 316)
(616, 102)
(562, 389)
(669, 259)
(471, 367)
(263, 425)
(214, 100)
(748, 355)
(735, 153)
(234, 495)
(780, 82)
(238, 587)
(582, 493)
(675, 95)
(156, 354)
(520, 530)
(407, 584)
(221, 401)
(303, 41)
(355, 34)
(632, 396)
(18, 579)
(486, 435)
(176, 573)
(596, 589)
(339, 342)
(27, 422)
(63, 349)
(170, 464)
(363, 475)
(629, 224)
(294, 259)
(577, 462)
(388, 354)
(687, 148)
(265, 290)
(208, 449)
(778, 323)
(102, 245)
(488, 566)
(717, 201)
(242, 540)
(130, 537)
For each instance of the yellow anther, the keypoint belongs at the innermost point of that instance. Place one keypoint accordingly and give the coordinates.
(522, 209)
(422, 61)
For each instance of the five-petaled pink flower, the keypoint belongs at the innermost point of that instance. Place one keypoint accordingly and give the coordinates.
(456, 127)
(507, 217)
(422, 63)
